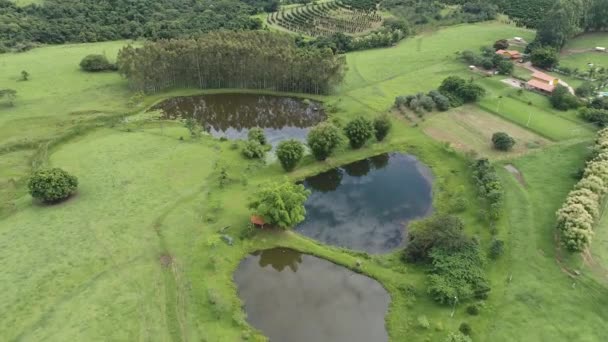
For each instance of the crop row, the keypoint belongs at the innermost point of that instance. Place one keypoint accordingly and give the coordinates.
(324, 19)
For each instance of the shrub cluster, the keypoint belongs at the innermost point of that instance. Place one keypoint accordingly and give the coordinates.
(96, 63)
(456, 262)
(562, 99)
(580, 211)
(459, 91)
(488, 186)
(421, 102)
(596, 116)
(502, 141)
(255, 147)
(489, 60)
(596, 111)
(52, 185)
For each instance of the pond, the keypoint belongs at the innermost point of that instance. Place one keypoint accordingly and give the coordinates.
(366, 205)
(231, 115)
(296, 297)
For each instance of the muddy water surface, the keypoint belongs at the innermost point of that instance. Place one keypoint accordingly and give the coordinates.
(294, 297)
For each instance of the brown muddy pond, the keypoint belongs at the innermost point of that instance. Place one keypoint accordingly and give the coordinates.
(366, 205)
(295, 297)
(231, 115)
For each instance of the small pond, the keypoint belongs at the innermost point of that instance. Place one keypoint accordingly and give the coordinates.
(296, 297)
(367, 204)
(231, 115)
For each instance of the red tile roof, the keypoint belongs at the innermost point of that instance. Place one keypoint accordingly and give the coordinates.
(542, 76)
(541, 85)
(511, 53)
(257, 220)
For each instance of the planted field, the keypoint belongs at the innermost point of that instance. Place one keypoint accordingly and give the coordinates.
(325, 18)
(470, 128)
(532, 111)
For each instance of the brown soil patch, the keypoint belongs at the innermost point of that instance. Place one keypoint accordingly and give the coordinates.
(166, 260)
(471, 128)
(515, 172)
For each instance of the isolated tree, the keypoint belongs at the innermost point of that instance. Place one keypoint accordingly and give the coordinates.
(544, 57)
(25, 75)
(95, 63)
(501, 44)
(323, 139)
(289, 153)
(52, 185)
(280, 204)
(8, 96)
(358, 131)
(502, 141)
(256, 133)
(382, 125)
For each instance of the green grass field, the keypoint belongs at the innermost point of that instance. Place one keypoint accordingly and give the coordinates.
(469, 128)
(581, 61)
(134, 255)
(588, 41)
(532, 111)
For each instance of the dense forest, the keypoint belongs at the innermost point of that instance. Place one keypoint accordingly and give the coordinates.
(567, 18)
(225, 59)
(60, 21)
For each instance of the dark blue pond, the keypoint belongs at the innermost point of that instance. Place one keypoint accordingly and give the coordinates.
(366, 205)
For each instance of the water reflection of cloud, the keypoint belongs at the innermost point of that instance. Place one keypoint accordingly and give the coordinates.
(369, 212)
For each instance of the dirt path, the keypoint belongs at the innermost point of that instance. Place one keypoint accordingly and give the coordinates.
(516, 173)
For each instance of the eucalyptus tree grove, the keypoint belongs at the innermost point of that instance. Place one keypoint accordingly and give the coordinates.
(246, 59)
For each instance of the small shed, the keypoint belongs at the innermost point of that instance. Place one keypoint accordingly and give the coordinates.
(600, 49)
(258, 221)
(518, 39)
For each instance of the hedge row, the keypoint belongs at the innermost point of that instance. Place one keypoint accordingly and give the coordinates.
(579, 213)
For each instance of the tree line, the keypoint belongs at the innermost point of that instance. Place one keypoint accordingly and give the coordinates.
(61, 21)
(567, 18)
(225, 59)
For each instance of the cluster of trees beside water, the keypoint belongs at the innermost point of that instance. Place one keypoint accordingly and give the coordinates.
(245, 59)
(60, 21)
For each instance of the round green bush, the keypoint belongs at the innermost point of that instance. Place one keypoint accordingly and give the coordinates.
(322, 140)
(502, 141)
(52, 185)
(465, 328)
(382, 125)
(95, 63)
(254, 150)
(257, 133)
(289, 153)
(358, 131)
(473, 310)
